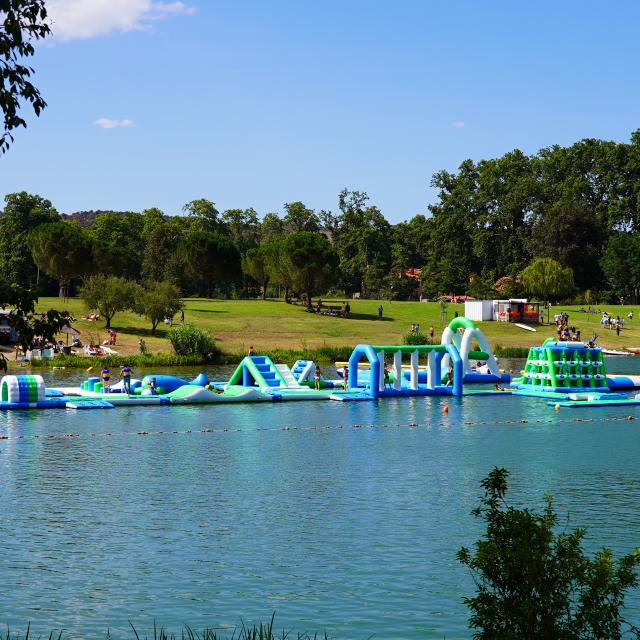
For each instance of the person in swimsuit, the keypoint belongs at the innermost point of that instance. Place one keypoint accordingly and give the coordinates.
(317, 374)
(125, 374)
(105, 376)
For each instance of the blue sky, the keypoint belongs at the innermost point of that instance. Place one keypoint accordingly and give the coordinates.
(253, 103)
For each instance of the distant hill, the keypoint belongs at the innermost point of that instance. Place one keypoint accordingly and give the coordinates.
(87, 218)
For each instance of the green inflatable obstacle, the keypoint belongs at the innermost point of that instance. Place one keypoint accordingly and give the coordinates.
(563, 367)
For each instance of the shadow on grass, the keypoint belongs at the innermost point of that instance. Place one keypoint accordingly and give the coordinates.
(192, 310)
(144, 332)
(355, 316)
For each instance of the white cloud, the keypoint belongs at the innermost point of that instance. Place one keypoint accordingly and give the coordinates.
(81, 19)
(108, 123)
(457, 124)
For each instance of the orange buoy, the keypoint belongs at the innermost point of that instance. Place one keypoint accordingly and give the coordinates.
(445, 409)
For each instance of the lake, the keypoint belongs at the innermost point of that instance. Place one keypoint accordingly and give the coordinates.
(338, 516)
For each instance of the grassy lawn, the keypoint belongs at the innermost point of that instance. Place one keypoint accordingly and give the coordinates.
(237, 324)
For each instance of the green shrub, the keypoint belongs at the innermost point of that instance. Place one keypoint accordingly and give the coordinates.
(412, 338)
(510, 352)
(189, 340)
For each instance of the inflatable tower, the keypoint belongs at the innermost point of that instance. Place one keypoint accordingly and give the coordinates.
(563, 367)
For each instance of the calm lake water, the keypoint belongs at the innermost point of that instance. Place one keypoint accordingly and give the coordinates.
(342, 517)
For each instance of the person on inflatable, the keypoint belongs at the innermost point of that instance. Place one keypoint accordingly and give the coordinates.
(125, 374)
(105, 376)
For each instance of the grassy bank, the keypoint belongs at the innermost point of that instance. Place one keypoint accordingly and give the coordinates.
(144, 361)
(288, 332)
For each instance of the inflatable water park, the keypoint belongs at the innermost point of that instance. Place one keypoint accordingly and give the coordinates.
(568, 374)
(573, 374)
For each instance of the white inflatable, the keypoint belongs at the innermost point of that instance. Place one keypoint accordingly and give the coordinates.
(464, 344)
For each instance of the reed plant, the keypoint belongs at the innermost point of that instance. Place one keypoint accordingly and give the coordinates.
(260, 631)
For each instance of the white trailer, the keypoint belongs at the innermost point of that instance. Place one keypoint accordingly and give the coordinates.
(478, 310)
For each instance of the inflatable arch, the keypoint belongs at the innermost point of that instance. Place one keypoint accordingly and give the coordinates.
(436, 355)
(464, 344)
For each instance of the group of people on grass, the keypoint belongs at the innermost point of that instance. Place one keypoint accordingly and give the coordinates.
(617, 323)
(565, 332)
(344, 311)
(112, 338)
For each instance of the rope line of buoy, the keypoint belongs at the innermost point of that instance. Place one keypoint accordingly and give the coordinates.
(409, 425)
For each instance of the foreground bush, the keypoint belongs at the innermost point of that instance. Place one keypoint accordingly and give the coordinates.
(532, 582)
(189, 340)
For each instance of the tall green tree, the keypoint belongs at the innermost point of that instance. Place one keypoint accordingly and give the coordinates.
(313, 262)
(411, 243)
(545, 278)
(299, 217)
(598, 175)
(453, 259)
(533, 582)
(23, 212)
(62, 250)
(243, 227)
(271, 227)
(361, 239)
(157, 301)
(255, 263)
(620, 264)
(161, 260)
(203, 215)
(23, 23)
(211, 259)
(120, 242)
(108, 295)
(278, 265)
(152, 218)
(505, 193)
(573, 235)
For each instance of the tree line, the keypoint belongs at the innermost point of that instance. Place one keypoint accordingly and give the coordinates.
(574, 210)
